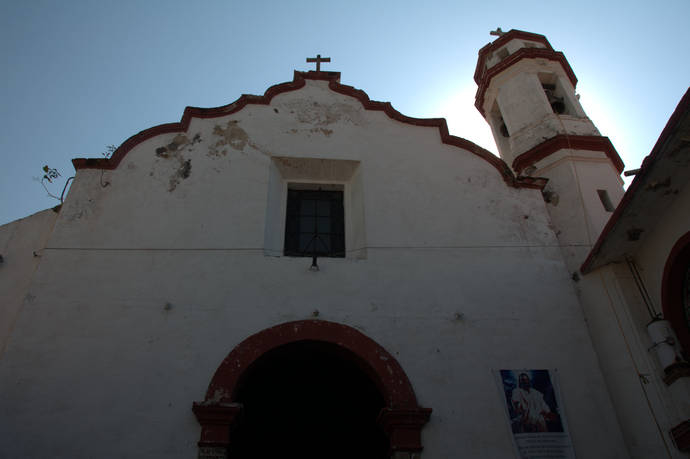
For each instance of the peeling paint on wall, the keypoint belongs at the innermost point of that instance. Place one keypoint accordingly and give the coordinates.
(311, 112)
(232, 135)
(324, 131)
(174, 150)
(81, 208)
(180, 142)
(181, 173)
(235, 137)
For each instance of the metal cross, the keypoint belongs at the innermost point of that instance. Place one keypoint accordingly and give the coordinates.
(497, 33)
(318, 59)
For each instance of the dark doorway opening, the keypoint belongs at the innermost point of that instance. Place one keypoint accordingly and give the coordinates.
(307, 400)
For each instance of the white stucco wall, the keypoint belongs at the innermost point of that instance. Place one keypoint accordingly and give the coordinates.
(617, 317)
(616, 320)
(517, 91)
(148, 283)
(651, 259)
(21, 247)
(656, 246)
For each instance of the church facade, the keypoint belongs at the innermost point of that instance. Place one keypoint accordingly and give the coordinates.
(310, 273)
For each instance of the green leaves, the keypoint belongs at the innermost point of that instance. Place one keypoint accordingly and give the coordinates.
(50, 173)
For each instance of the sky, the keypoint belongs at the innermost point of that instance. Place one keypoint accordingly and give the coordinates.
(78, 76)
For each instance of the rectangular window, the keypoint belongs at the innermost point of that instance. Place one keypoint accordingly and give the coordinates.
(315, 223)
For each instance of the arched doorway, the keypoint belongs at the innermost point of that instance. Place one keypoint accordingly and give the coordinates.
(312, 401)
(309, 389)
(675, 290)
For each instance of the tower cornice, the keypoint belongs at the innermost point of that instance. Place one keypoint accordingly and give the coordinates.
(524, 53)
(572, 142)
(513, 34)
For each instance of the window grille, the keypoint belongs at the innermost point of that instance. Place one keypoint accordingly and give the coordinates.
(315, 224)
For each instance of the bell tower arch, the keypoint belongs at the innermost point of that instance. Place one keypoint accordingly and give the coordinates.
(527, 95)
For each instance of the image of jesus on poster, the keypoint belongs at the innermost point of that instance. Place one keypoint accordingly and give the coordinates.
(531, 401)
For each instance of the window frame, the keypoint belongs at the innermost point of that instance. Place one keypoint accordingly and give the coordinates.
(298, 219)
(291, 171)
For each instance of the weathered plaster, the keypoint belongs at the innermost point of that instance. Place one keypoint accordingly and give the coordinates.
(656, 245)
(21, 244)
(139, 299)
(231, 135)
(579, 163)
(174, 150)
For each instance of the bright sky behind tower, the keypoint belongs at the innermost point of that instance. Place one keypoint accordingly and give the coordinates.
(79, 75)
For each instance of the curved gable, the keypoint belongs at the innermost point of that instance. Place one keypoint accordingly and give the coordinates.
(298, 82)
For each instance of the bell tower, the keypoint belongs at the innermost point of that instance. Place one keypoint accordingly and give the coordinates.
(527, 95)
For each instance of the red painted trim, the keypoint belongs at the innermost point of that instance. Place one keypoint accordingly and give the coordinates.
(565, 141)
(299, 81)
(189, 113)
(524, 53)
(217, 420)
(375, 360)
(537, 183)
(640, 179)
(439, 123)
(402, 418)
(677, 264)
(681, 435)
(404, 427)
(502, 40)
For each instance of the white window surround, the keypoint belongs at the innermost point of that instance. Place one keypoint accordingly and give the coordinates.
(304, 173)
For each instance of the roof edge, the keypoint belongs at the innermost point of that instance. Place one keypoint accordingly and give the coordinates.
(645, 169)
(299, 82)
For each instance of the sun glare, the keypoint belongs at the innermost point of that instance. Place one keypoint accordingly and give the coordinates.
(464, 120)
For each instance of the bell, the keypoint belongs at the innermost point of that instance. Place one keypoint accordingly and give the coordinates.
(558, 106)
(556, 102)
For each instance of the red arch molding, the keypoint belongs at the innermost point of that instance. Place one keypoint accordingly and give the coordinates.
(298, 82)
(677, 263)
(402, 418)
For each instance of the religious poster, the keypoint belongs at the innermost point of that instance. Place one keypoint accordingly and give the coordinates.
(535, 414)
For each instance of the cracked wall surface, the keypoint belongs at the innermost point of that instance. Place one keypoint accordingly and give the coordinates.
(149, 282)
